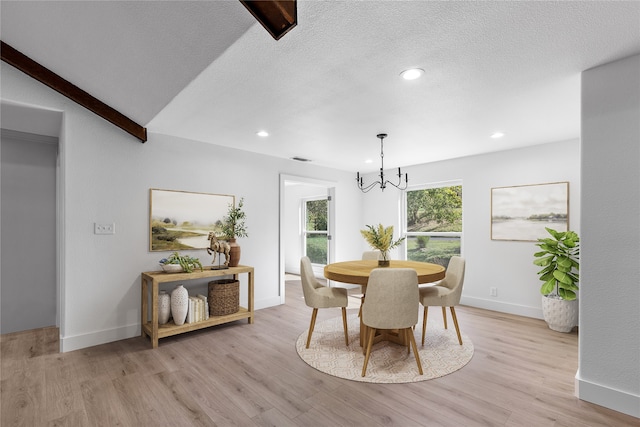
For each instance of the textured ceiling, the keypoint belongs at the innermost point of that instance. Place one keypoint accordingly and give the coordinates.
(133, 55)
(207, 71)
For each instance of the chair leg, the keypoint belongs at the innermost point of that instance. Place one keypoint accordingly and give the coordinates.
(444, 316)
(455, 322)
(415, 351)
(344, 322)
(372, 332)
(424, 323)
(407, 332)
(313, 324)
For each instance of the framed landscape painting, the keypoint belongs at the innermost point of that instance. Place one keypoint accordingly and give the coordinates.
(522, 212)
(181, 220)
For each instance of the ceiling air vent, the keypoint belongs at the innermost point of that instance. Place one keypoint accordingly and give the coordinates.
(300, 159)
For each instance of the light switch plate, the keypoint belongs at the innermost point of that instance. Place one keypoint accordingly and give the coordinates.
(102, 228)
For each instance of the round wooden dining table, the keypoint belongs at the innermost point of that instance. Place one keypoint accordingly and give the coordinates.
(357, 273)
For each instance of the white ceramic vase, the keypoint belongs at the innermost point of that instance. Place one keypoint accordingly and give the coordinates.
(560, 315)
(164, 307)
(179, 304)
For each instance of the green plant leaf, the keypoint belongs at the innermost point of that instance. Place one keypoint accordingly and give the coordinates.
(548, 275)
(548, 287)
(541, 262)
(558, 235)
(563, 277)
(569, 287)
(564, 261)
(567, 295)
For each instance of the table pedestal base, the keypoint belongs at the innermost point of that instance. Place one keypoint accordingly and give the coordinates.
(392, 335)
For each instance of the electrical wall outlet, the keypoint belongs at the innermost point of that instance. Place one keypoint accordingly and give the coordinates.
(104, 228)
(493, 292)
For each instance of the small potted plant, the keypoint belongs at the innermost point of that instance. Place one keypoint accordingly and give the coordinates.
(177, 263)
(381, 238)
(233, 226)
(559, 256)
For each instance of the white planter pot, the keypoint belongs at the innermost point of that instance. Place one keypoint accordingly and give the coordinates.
(172, 268)
(560, 315)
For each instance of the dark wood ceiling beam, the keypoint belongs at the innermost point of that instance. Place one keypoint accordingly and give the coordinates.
(278, 17)
(45, 76)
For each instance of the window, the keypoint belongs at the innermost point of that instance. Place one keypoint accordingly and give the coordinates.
(433, 223)
(314, 231)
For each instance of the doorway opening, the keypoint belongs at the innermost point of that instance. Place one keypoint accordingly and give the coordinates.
(36, 132)
(302, 224)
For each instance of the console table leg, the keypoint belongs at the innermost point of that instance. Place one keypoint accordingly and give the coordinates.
(144, 312)
(154, 313)
(250, 296)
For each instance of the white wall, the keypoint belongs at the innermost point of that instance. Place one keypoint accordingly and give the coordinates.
(610, 266)
(107, 175)
(506, 265)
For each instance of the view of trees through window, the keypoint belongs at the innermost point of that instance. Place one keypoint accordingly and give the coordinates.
(316, 230)
(434, 224)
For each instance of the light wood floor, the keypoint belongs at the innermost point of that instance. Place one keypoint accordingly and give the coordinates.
(522, 374)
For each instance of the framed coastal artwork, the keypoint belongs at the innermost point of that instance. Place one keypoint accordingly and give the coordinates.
(522, 212)
(182, 220)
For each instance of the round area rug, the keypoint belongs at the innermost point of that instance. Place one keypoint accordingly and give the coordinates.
(389, 362)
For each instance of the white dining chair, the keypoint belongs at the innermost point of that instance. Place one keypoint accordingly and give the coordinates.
(316, 296)
(392, 303)
(445, 294)
(371, 255)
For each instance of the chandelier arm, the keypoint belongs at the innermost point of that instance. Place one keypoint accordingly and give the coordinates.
(369, 187)
(399, 186)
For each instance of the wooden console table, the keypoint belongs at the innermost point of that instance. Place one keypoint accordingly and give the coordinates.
(151, 328)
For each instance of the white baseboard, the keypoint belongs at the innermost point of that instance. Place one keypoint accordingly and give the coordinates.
(76, 342)
(493, 305)
(617, 400)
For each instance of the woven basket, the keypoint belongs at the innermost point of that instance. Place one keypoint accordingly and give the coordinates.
(224, 297)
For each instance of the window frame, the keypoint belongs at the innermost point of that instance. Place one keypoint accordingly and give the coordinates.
(303, 226)
(404, 215)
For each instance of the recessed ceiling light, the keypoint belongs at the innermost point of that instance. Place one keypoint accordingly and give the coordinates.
(412, 73)
(497, 135)
(262, 133)
(368, 161)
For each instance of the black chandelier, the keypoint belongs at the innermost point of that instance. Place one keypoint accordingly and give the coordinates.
(383, 183)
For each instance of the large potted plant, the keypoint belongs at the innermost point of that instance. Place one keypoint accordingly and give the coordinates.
(559, 256)
(381, 238)
(233, 226)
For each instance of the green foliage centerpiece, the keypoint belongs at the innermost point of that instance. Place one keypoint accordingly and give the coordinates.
(381, 238)
(233, 226)
(185, 262)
